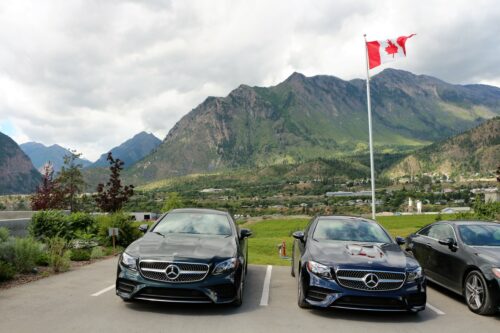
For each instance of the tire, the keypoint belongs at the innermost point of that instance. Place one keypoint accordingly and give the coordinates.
(239, 294)
(478, 297)
(292, 272)
(301, 298)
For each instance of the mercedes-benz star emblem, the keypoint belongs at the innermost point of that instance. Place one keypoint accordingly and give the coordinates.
(172, 272)
(371, 280)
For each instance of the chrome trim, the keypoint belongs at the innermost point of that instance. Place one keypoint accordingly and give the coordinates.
(170, 301)
(181, 272)
(368, 309)
(339, 279)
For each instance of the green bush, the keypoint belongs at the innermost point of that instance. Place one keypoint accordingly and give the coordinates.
(7, 271)
(80, 255)
(82, 222)
(59, 257)
(127, 234)
(7, 252)
(50, 224)
(43, 259)
(26, 252)
(97, 253)
(4, 234)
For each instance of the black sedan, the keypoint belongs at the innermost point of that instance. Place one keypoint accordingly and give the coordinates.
(352, 263)
(188, 256)
(464, 257)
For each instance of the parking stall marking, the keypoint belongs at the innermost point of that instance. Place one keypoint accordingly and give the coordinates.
(100, 292)
(436, 310)
(264, 300)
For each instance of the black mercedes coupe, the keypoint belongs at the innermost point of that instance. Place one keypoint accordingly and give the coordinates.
(187, 256)
(352, 263)
(464, 257)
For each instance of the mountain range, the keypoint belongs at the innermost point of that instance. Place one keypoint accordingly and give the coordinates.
(132, 150)
(476, 150)
(323, 116)
(17, 173)
(41, 154)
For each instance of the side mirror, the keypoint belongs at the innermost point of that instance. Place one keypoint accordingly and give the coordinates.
(299, 235)
(143, 228)
(244, 233)
(400, 240)
(450, 242)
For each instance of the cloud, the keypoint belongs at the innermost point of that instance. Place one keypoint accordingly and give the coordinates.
(90, 74)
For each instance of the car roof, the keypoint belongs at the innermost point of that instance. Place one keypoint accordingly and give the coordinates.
(199, 210)
(345, 217)
(464, 222)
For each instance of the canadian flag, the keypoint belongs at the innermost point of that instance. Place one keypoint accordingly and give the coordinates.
(382, 51)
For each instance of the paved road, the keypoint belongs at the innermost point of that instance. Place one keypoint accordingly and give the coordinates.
(64, 303)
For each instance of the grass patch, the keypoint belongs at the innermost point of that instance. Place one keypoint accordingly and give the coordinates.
(267, 234)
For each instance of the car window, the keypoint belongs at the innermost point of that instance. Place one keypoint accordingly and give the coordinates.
(350, 230)
(424, 231)
(194, 223)
(441, 231)
(480, 235)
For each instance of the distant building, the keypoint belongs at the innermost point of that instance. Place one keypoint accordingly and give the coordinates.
(348, 194)
(455, 210)
(491, 195)
(144, 216)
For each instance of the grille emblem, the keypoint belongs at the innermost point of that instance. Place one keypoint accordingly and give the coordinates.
(371, 280)
(172, 272)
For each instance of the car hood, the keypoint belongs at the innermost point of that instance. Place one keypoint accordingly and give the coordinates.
(177, 247)
(488, 253)
(360, 255)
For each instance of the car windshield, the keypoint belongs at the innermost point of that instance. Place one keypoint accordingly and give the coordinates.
(480, 234)
(194, 223)
(350, 230)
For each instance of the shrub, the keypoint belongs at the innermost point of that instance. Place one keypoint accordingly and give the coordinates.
(49, 224)
(4, 234)
(82, 222)
(79, 255)
(59, 257)
(7, 271)
(97, 253)
(7, 252)
(127, 234)
(26, 252)
(43, 259)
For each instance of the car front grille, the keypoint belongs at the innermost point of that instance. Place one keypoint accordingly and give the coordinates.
(365, 279)
(174, 272)
(172, 295)
(362, 302)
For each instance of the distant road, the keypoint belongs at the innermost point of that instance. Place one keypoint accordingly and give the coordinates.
(84, 301)
(17, 227)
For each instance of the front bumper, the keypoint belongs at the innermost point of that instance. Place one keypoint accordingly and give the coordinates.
(220, 289)
(321, 292)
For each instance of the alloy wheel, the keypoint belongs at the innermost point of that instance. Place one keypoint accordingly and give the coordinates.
(474, 292)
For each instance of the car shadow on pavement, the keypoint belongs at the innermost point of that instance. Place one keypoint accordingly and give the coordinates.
(376, 317)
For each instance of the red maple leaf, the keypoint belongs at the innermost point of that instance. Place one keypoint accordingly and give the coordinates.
(391, 48)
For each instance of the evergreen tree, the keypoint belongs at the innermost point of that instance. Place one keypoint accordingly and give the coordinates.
(70, 179)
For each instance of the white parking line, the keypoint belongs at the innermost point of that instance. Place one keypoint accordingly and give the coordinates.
(264, 300)
(436, 310)
(104, 290)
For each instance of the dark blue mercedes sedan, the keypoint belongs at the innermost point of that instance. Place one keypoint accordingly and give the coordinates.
(352, 263)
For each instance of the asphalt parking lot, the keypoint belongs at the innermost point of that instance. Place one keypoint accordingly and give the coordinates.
(84, 301)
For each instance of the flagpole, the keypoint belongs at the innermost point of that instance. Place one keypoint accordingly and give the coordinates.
(372, 171)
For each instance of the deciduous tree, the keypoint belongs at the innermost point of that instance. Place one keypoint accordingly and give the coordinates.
(48, 195)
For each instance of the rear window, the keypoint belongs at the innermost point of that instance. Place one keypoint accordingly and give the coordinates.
(194, 223)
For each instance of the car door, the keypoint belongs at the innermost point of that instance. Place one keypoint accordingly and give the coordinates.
(447, 261)
(299, 248)
(418, 246)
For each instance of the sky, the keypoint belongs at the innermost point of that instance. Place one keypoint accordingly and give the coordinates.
(90, 74)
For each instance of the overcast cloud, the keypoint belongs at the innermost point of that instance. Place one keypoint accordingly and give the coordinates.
(90, 74)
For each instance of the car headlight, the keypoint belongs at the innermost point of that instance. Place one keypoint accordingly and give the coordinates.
(319, 269)
(226, 266)
(129, 261)
(496, 272)
(414, 274)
